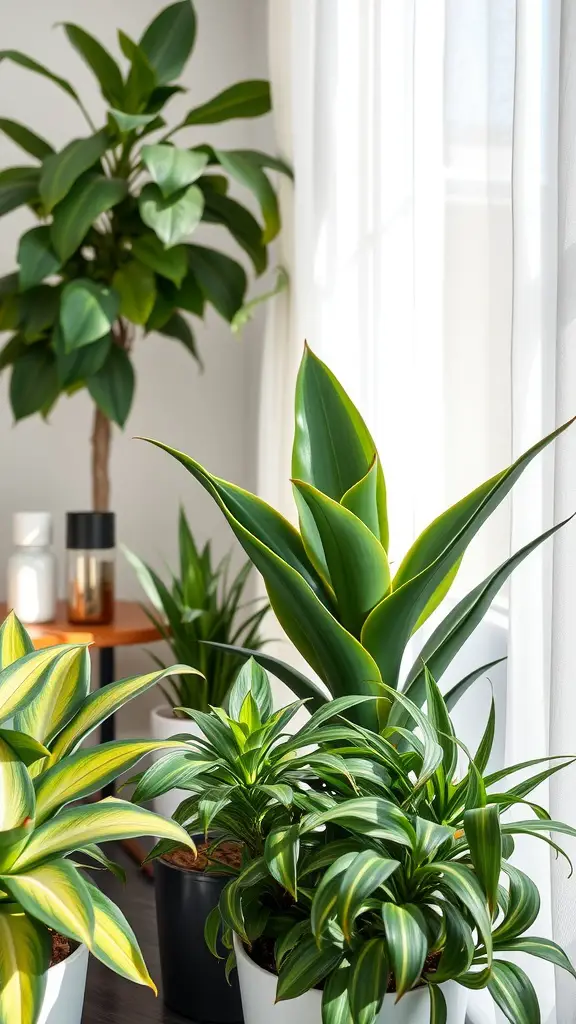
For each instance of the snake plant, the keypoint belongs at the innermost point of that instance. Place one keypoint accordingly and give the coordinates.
(330, 583)
(201, 604)
(45, 841)
(396, 874)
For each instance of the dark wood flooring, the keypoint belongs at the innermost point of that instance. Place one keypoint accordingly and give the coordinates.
(109, 998)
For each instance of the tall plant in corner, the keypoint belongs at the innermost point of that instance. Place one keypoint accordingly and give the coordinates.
(111, 256)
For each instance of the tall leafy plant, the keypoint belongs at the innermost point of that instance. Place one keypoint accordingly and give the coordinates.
(111, 255)
(330, 583)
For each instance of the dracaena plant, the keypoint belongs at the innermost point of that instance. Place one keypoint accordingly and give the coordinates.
(201, 604)
(330, 583)
(111, 254)
(45, 842)
(407, 883)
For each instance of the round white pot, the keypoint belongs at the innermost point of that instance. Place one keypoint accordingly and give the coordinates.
(64, 994)
(258, 991)
(164, 725)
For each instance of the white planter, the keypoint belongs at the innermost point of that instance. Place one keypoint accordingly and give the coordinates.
(64, 994)
(258, 991)
(164, 725)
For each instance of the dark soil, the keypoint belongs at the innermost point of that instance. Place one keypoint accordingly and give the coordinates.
(227, 853)
(62, 948)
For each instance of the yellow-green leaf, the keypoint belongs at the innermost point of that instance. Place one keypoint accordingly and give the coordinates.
(114, 942)
(21, 681)
(25, 949)
(64, 690)
(57, 895)
(14, 641)
(17, 801)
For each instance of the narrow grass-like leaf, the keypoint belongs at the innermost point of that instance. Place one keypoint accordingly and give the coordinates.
(305, 967)
(482, 827)
(545, 949)
(512, 990)
(281, 853)
(407, 943)
(363, 876)
(369, 969)
(335, 1001)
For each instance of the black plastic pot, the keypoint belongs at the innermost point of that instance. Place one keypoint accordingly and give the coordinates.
(193, 980)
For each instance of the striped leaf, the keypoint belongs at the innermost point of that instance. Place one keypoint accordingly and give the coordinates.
(433, 752)
(305, 967)
(429, 838)
(286, 942)
(512, 990)
(281, 854)
(326, 855)
(57, 895)
(14, 641)
(362, 500)
(17, 802)
(363, 876)
(326, 895)
(545, 949)
(335, 1002)
(88, 771)
(25, 948)
(114, 942)
(25, 747)
(406, 935)
(99, 705)
(459, 880)
(173, 770)
(482, 827)
(110, 819)
(63, 693)
(458, 947)
(230, 906)
(212, 931)
(251, 679)
(369, 969)
(438, 1010)
(369, 815)
(22, 680)
(523, 906)
(482, 755)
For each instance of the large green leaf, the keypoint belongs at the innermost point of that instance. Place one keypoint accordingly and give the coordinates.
(221, 209)
(222, 280)
(171, 168)
(25, 948)
(249, 173)
(407, 941)
(36, 258)
(39, 310)
(458, 946)
(112, 386)
(335, 1003)
(325, 898)
(333, 449)
(18, 185)
(65, 688)
(110, 819)
(178, 327)
(91, 196)
(114, 942)
(99, 61)
(172, 219)
(33, 65)
(87, 312)
(61, 170)
(26, 139)
(57, 895)
(512, 990)
(296, 681)
(34, 382)
(168, 40)
(460, 881)
(244, 99)
(170, 263)
(128, 122)
(82, 362)
(482, 827)
(136, 286)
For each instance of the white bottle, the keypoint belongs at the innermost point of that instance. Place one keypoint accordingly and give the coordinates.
(32, 568)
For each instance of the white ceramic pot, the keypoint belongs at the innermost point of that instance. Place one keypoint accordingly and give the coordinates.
(64, 994)
(164, 725)
(258, 991)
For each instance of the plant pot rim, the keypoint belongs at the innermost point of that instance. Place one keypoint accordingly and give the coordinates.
(206, 876)
(80, 950)
(165, 711)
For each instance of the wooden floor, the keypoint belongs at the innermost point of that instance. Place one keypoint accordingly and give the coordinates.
(110, 999)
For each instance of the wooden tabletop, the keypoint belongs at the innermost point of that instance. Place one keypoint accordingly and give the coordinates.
(130, 625)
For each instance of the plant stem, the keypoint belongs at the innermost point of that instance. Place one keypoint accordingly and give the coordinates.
(101, 437)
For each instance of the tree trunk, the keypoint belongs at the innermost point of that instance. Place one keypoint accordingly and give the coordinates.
(101, 437)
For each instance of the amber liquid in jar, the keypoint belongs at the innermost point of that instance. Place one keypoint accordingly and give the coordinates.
(90, 586)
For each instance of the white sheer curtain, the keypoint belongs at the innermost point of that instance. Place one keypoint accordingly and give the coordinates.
(432, 240)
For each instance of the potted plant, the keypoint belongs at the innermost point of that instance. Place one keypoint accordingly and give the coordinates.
(383, 904)
(236, 798)
(199, 604)
(330, 583)
(51, 914)
(110, 257)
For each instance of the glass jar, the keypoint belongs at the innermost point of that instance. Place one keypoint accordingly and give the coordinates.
(32, 568)
(90, 557)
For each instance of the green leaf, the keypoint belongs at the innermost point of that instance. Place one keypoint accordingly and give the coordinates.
(170, 263)
(91, 196)
(173, 219)
(112, 387)
(222, 280)
(356, 561)
(34, 382)
(171, 168)
(32, 65)
(364, 875)
(254, 680)
(244, 228)
(114, 942)
(15, 642)
(335, 1004)
(99, 61)
(482, 755)
(248, 172)
(19, 683)
(25, 948)
(453, 695)
(458, 947)
(57, 895)
(407, 941)
(369, 970)
(281, 854)
(142, 78)
(512, 990)
(523, 906)
(65, 688)
(26, 139)
(25, 747)
(61, 170)
(169, 39)
(39, 310)
(82, 362)
(438, 1009)
(362, 498)
(18, 803)
(440, 721)
(482, 827)
(545, 949)
(304, 968)
(136, 286)
(460, 881)
(178, 327)
(368, 815)
(297, 682)
(211, 931)
(429, 838)
(87, 312)
(244, 99)
(18, 185)
(35, 257)
(128, 122)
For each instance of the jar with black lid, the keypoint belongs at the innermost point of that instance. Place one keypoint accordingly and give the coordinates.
(90, 543)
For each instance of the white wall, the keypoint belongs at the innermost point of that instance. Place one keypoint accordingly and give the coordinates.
(212, 415)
